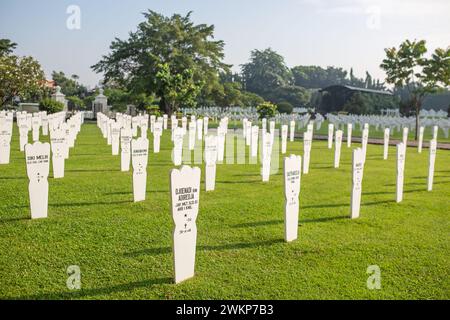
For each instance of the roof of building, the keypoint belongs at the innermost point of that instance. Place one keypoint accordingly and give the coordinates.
(350, 88)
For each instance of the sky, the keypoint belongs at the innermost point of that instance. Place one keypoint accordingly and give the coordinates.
(342, 33)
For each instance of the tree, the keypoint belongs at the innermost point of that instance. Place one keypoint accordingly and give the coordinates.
(75, 103)
(265, 72)
(406, 67)
(266, 110)
(295, 95)
(6, 47)
(285, 107)
(69, 86)
(50, 105)
(176, 88)
(19, 77)
(175, 42)
(313, 77)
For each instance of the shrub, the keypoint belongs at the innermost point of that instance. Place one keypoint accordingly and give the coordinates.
(75, 103)
(266, 110)
(285, 107)
(154, 110)
(51, 106)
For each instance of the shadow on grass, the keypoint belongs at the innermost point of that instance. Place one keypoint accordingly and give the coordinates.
(222, 247)
(92, 170)
(320, 168)
(393, 192)
(320, 206)
(131, 192)
(272, 222)
(14, 178)
(238, 181)
(82, 204)
(95, 291)
(12, 219)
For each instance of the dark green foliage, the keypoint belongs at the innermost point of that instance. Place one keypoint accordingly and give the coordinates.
(266, 110)
(173, 41)
(295, 95)
(75, 103)
(50, 105)
(6, 46)
(313, 77)
(265, 72)
(284, 107)
(69, 86)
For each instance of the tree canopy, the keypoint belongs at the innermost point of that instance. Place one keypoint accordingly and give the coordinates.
(19, 76)
(6, 47)
(69, 86)
(163, 45)
(265, 72)
(407, 68)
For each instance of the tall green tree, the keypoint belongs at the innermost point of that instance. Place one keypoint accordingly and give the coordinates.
(177, 88)
(265, 72)
(313, 77)
(6, 47)
(69, 86)
(19, 77)
(407, 67)
(175, 42)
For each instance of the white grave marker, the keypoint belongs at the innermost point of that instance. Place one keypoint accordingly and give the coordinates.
(185, 196)
(432, 158)
(405, 136)
(178, 136)
(254, 142)
(35, 125)
(349, 135)
(23, 136)
(37, 157)
(337, 148)
(307, 142)
(435, 132)
(292, 176)
(291, 130)
(284, 133)
(157, 132)
(199, 129)
(400, 170)
(419, 146)
(58, 146)
(5, 143)
(139, 159)
(266, 156)
(210, 162)
(357, 176)
(365, 138)
(386, 143)
(115, 138)
(205, 125)
(330, 135)
(192, 128)
(125, 146)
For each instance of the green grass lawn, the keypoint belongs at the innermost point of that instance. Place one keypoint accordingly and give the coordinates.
(124, 248)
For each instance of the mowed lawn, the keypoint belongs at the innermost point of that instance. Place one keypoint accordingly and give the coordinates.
(124, 248)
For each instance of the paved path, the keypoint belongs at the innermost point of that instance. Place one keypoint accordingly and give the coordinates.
(392, 142)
